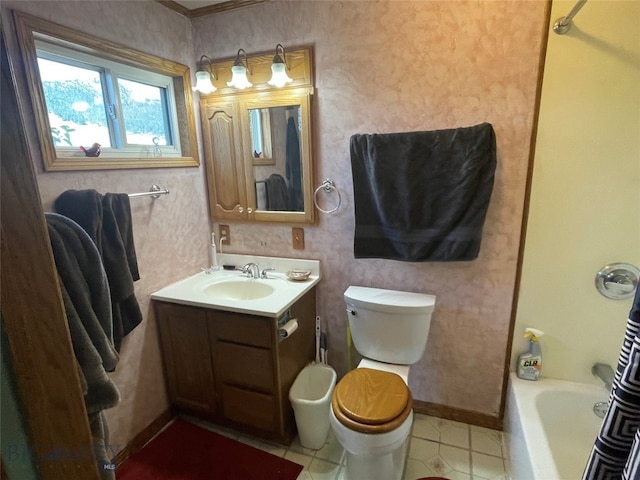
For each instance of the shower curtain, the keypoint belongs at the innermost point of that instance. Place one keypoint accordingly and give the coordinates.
(616, 452)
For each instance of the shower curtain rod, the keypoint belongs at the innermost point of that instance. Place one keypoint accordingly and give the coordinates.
(563, 24)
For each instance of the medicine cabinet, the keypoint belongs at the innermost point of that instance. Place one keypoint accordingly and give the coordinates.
(258, 143)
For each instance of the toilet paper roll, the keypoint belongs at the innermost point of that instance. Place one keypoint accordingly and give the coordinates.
(288, 328)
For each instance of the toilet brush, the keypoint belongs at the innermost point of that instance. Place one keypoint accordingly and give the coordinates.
(318, 339)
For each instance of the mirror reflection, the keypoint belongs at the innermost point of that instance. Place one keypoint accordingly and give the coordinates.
(276, 150)
(260, 127)
(258, 144)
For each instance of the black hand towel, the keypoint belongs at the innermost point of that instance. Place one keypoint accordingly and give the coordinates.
(422, 196)
(107, 220)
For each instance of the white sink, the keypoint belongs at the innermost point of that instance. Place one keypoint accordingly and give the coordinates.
(248, 289)
(233, 291)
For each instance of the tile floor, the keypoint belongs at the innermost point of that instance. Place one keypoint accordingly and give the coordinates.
(438, 447)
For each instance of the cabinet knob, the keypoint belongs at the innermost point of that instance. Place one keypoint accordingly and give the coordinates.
(249, 210)
(240, 209)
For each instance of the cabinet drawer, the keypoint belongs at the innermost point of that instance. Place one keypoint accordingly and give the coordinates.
(249, 408)
(239, 328)
(249, 367)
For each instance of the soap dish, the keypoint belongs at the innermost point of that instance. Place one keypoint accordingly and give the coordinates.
(298, 275)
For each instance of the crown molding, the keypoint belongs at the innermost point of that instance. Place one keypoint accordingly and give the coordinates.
(209, 9)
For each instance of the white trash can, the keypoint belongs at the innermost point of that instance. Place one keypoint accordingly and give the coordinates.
(310, 397)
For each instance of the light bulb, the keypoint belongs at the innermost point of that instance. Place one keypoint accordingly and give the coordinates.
(279, 75)
(203, 82)
(239, 79)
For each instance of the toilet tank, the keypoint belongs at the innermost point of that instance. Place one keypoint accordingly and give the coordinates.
(388, 325)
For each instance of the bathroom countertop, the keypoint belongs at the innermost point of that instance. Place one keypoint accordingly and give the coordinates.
(191, 290)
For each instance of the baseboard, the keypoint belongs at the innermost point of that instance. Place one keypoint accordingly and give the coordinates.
(457, 414)
(141, 439)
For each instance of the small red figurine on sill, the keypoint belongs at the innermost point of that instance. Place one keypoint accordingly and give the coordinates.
(94, 151)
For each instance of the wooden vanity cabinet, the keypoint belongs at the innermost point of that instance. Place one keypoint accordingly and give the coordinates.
(232, 368)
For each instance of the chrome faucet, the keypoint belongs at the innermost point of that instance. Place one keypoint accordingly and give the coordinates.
(605, 373)
(252, 270)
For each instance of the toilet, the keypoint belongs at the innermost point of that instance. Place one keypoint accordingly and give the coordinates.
(371, 407)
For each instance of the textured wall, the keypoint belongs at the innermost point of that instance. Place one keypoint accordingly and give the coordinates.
(170, 233)
(586, 189)
(402, 66)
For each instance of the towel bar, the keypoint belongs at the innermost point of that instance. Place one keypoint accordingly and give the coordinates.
(328, 186)
(154, 192)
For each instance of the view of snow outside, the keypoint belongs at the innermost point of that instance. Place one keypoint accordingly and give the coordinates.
(76, 108)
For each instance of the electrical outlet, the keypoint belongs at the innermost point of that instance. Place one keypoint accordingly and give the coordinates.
(225, 233)
(297, 237)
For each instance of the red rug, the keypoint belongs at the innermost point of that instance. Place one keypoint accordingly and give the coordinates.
(184, 451)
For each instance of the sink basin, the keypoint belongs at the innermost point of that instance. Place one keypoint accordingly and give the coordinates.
(238, 290)
(231, 291)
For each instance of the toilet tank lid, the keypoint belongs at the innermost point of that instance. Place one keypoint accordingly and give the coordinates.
(389, 300)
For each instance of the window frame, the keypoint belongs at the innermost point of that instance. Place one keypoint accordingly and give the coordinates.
(30, 28)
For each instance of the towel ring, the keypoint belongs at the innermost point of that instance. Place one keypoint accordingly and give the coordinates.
(328, 186)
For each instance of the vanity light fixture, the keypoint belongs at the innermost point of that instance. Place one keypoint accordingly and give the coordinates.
(279, 68)
(203, 76)
(239, 70)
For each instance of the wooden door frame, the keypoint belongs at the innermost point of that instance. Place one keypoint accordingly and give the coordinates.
(34, 320)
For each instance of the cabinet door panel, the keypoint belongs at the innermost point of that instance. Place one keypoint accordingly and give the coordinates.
(223, 157)
(249, 408)
(187, 356)
(249, 367)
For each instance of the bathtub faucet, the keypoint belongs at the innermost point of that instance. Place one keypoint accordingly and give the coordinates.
(605, 373)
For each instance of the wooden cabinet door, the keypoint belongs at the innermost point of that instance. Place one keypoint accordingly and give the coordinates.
(187, 357)
(224, 159)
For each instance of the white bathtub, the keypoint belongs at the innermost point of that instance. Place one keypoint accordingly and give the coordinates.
(550, 427)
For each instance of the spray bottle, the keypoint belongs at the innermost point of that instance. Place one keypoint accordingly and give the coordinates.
(530, 362)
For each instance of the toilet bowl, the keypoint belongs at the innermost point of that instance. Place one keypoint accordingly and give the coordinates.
(371, 408)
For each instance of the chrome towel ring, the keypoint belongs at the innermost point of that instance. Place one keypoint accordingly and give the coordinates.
(328, 186)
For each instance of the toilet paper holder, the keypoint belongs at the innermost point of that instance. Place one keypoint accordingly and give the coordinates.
(286, 330)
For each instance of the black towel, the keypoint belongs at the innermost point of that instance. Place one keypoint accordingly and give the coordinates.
(294, 167)
(107, 220)
(85, 293)
(422, 196)
(277, 193)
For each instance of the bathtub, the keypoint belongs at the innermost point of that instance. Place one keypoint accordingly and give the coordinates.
(550, 427)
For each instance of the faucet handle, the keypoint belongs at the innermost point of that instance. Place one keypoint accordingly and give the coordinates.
(264, 272)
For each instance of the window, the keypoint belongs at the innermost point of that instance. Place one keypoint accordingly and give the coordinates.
(126, 110)
(88, 92)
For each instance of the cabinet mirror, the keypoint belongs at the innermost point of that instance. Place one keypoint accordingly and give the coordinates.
(258, 147)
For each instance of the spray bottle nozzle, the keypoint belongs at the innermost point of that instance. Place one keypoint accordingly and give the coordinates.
(533, 334)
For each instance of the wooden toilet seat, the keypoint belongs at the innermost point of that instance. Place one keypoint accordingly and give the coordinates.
(371, 401)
